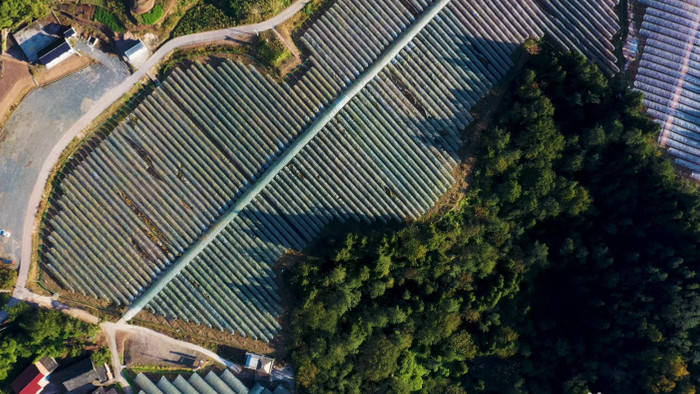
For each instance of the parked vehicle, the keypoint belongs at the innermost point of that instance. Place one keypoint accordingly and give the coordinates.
(5, 233)
(7, 261)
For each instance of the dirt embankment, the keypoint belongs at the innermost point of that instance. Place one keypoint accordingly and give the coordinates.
(15, 83)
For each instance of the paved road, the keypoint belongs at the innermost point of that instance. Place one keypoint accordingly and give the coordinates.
(101, 105)
(110, 332)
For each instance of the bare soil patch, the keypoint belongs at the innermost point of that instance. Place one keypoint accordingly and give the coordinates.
(15, 83)
(63, 69)
(142, 351)
(282, 269)
(142, 6)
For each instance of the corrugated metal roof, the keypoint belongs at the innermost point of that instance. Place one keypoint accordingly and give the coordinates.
(53, 52)
(134, 49)
(225, 383)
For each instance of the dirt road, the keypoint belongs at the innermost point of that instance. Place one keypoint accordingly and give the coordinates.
(160, 340)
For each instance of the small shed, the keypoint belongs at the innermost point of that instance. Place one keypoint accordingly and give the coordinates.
(136, 52)
(68, 33)
(259, 363)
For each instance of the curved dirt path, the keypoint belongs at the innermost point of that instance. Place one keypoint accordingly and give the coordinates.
(102, 105)
(110, 330)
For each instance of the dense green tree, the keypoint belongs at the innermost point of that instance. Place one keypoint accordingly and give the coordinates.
(568, 267)
(14, 11)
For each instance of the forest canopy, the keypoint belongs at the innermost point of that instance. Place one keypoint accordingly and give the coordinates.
(13, 12)
(30, 334)
(569, 266)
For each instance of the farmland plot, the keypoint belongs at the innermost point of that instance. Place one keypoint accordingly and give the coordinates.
(135, 198)
(669, 77)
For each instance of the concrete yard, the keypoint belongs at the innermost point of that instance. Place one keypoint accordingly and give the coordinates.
(35, 127)
(149, 351)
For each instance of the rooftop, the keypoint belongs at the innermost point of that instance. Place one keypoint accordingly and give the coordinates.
(37, 36)
(54, 51)
(135, 49)
(28, 382)
(46, 365)
(82, 376)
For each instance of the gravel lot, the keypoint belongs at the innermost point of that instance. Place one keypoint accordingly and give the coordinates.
(35, 126)
(143, 351)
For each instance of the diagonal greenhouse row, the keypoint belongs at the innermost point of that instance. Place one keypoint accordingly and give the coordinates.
(669, 76)
(135, 198)
(225, 383)
(340, 43)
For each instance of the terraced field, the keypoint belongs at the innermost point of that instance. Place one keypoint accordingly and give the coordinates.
(669, 76)
(136, 198)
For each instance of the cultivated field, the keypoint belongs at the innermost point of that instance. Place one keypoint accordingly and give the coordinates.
(669, 76)
(135, 197)
(33, 129)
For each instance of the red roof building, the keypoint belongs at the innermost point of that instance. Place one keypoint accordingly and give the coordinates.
(33, 379)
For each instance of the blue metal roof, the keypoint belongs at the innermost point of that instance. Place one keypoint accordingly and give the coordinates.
(54, 51)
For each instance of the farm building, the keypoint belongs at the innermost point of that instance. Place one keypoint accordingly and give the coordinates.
(82, 376)
(70, 32)
(37, 36)
(136, 53)
(57, 52)
(193, 173)
(259, 363)
(33, 379)
(45, 41)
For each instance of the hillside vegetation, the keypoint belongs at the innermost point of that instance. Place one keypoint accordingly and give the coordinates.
(13, 12)
(7, 278)
(30, 334)
(217, 14)
(569, 267)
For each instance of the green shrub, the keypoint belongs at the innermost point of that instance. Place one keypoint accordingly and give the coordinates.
(217, 14)
(270, 51)
(202, 17)
(153, 15)
(101, 356)
(4, 298)
(33, 333)
(7, 278)
(109, 19)
(14, 12)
